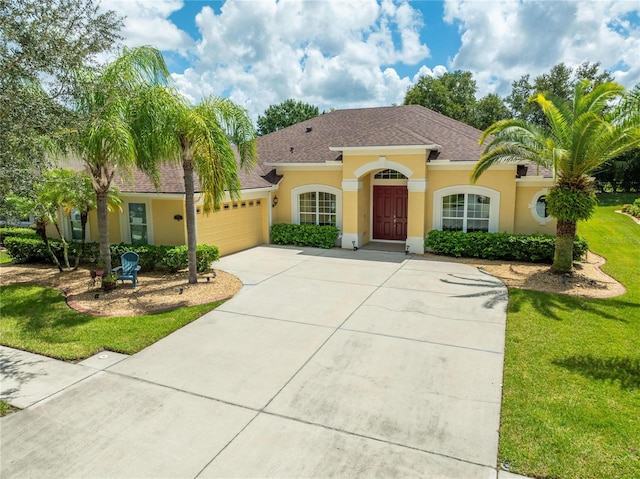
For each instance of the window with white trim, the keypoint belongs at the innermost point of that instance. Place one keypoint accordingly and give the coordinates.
(539, 209)
(75, 225)
(317, 208)
(138, 223)
(465, 212)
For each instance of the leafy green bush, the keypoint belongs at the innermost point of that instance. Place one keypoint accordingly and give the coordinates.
(511, 247)
(8, 232)
(633, 210)
(27, 250)
(31, 249)
(177, 258)
(304, 235)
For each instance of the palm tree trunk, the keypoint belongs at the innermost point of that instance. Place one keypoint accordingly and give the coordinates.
(563, 254)
(189, 194)
(103, 229)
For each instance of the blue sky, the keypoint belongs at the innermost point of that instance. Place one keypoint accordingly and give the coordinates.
(360, 53)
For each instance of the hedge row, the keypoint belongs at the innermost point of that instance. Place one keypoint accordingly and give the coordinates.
(304, 235)
(633, 210)
(174, 258)
(6, 232)
(510, 247)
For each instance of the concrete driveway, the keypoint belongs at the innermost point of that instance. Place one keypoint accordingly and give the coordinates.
(326, 364)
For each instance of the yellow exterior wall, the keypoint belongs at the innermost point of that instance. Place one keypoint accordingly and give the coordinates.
(364, 209)
(293, 179)
(166, 230)
(236, 228)
(114, 225)
(500, 180)
(52, 232)
(525, 223)
(93, 225)
(415, 162)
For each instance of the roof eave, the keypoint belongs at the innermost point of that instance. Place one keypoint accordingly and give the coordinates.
(406, 149)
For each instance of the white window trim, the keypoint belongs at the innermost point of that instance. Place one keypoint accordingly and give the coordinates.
(534, 212)
(125, 227)
(67, 229)
(494, 205)
(296, 192)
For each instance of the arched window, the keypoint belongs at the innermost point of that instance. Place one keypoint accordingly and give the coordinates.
(466, 208)
(389, 175)
(316, 205)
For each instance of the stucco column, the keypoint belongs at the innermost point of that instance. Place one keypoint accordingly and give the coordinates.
(416, 217)
(350, 234)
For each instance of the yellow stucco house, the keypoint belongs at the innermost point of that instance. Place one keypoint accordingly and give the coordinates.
(387, 174)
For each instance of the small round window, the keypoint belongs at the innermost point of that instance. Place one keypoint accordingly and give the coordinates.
(539, 208)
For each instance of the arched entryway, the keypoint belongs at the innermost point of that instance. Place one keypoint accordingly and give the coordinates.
(389, 206)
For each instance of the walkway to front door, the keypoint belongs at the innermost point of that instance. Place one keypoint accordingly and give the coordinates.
(390, 212)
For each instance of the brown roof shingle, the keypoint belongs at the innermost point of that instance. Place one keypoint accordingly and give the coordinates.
(309, 141)
(171, 180)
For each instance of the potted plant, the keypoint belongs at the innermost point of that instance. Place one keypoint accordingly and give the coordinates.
(109, 282)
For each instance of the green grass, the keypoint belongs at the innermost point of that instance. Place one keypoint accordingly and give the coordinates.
(571, 397)
(37, 319)
(4, 257)
(6, 408)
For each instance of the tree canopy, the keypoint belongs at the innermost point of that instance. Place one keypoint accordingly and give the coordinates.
(201, 139)
(41, 43)
(285, 114)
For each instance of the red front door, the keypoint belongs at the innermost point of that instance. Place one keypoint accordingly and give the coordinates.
(390, 212)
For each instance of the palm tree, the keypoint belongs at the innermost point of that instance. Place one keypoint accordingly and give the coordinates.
(73, 190)
(600, 123)
(202, 139)
(105, 139)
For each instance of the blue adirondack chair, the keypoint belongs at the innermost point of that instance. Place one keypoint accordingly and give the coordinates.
(129, 269)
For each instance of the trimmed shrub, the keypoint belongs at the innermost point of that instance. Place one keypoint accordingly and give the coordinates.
(304, 235)
(511, 247)
(177, 258)
(27, 250)
(31, 249)
(8, 232)
(633, 210)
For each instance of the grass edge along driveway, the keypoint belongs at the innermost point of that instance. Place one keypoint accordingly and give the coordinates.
(572, 368)
(37, 319)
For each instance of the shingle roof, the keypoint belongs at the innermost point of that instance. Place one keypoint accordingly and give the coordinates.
(309, 141)
(171, 180)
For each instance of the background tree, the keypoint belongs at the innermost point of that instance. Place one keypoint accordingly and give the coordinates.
(285, 114)
(576, 139)
(105, 139)
(560, 81)
(202, 139)
(488, 110)
(41, 43)
(454, 95)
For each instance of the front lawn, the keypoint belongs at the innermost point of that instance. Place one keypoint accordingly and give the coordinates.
(37, 319)
(572, 368)
(4, 257)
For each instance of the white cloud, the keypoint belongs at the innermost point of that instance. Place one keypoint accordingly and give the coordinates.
(147, 23)
(327, 53)
(349, 53)
(503, 40)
